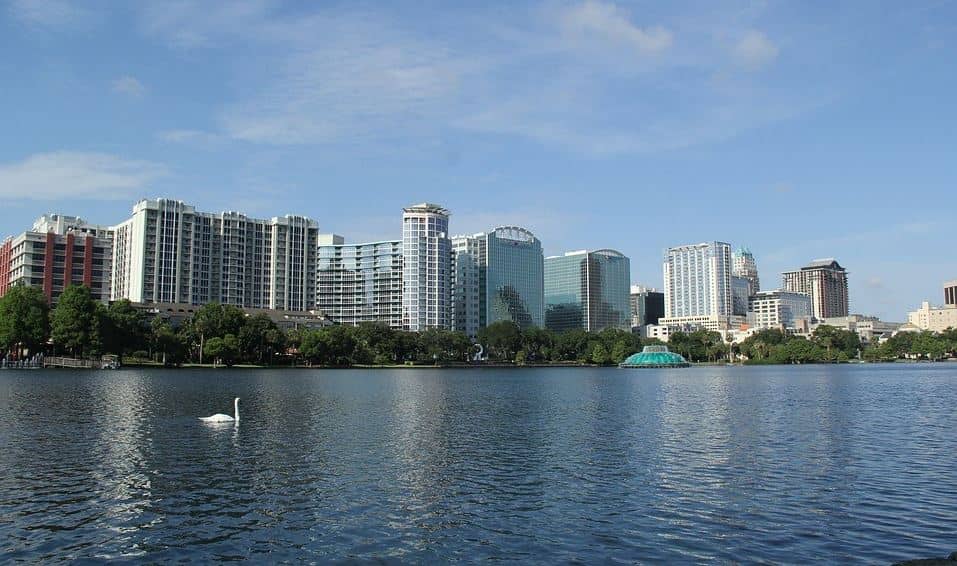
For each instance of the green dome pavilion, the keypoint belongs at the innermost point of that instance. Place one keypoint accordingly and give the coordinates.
(655, 357)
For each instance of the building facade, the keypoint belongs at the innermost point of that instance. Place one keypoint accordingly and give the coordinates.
(358, 283)
(57, 252)
(499, 275)
(740, 295)
(950, 293)
(933, 319)
(697, 282)
(426, 268)
(779, 309)
(167, 252)
(647, 306)
(825, 281)
(587, 290)
(743, 265)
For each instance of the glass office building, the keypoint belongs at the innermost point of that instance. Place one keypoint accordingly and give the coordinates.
(588, 291)
(499, 275)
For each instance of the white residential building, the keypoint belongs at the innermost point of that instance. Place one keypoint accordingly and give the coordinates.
(779, 309)
(359, 283)
(698, 291)
(167, 252)
(426, 268)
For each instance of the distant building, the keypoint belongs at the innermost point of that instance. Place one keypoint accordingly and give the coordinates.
(57, 252)
(178, 313)
(168, 252)
(359, 283)
(740, 295)
(950, 293)
(825, 281)
(498, 275)
(426, 268)
(933, 319)
(587, 290)
(779, 309)
(867, 327)
(743, 265)
(698, 287)
(647, 306)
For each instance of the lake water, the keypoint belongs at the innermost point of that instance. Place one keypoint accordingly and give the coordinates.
(775, 464)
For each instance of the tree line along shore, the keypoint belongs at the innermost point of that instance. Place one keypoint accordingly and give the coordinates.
(81, 327)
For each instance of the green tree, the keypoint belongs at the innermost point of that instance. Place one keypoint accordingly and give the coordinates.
(260, 339)
(537, 344)
(75, 322)
(599, 355)
(501, 339)
(169, 345)
(381, 340)
(225, 349)
(215, 320)
(123, 328)
(24, 320)
(621, 350)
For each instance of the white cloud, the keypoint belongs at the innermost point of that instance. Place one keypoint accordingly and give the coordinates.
(191, 137)
(49, 13)
(755, 50)
(129, 86)
(76, 175)
(595, 20)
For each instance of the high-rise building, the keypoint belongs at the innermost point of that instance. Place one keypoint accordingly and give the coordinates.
(167, 252)
(950, 293)
(587, 290)
(743, 265)
(740, 295)
(697, 281)
(779, 309)
(498, 276)
(647, 306)
(359, 283)
(426, 268)
(826, 283)
(57, 252)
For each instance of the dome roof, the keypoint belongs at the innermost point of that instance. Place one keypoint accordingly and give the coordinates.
(655, 357)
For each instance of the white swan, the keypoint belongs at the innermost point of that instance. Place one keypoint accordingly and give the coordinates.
(221, 418)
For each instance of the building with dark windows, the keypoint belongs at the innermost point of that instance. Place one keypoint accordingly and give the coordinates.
(57, 252)
(587, 290)
(826, 283)
(498, 276)
(647, 306)
(950, 293)
(359, 283)
(743, 265)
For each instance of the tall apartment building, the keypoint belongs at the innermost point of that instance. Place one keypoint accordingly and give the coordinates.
(359, 283)
(743, 265)
(950, 293)
(498, 275)
(426, 268)
(167, 252)
(587, 290)
(779, 309)
(698, 288)
(647, 306)
(57, 252)
(826, 283)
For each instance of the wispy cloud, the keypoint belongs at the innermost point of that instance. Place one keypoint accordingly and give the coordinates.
(587, 76)
(50, 13)
(754, 50)
(76, 175)
(129, 86)
(197, 138)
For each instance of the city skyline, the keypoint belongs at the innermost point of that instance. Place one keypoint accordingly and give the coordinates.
(794, 133)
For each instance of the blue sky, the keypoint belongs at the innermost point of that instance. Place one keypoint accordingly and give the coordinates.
(798, 129)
